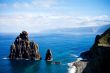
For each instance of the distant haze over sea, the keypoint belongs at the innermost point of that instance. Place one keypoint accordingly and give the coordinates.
(77, 30)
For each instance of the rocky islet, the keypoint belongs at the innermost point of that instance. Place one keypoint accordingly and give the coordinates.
(23, 48)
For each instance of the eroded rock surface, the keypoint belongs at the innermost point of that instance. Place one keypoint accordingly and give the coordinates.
(23, 48)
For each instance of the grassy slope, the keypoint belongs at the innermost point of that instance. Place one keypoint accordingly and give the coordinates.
(104, 40)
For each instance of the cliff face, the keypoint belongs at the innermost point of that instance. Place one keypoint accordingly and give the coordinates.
(22, 48)
(98, 57)
(100, 61)
(101, 46)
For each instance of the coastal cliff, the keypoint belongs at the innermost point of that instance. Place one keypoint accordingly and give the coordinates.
(23, 48)
(97, 59)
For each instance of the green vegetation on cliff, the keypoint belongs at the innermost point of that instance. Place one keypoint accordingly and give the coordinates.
(98, 57)
(105, 38)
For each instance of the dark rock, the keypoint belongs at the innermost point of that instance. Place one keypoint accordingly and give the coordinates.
(56, 63)
(108, 40)
(48, 55)
(96, 48)
(86, 55)
(100, 63)
(89, 54)
(22, 48)
(98, 57)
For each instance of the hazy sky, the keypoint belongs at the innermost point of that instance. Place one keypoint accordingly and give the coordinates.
(41, 15)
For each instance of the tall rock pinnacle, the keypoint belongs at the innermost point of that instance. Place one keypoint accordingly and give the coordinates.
(22, 48)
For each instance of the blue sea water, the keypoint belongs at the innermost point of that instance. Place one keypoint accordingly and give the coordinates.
(65, 48)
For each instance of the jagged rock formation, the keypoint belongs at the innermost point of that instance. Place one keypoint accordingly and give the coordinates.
(48, 55)
(98, 57)
(22, 48)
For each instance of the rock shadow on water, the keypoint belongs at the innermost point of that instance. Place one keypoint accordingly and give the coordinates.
(24, 66)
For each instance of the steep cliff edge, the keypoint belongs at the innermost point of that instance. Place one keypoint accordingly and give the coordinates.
(101, 46)
(99, 55)
(97, 59)
(23, 48)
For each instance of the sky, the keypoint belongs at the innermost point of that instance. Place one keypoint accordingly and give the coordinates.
(37, 16)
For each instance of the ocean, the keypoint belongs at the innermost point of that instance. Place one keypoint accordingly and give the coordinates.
(65, 49)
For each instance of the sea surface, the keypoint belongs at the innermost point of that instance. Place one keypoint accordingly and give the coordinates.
(65, 48)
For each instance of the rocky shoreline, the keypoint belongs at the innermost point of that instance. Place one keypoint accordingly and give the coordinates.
(97, 59)
(77, 66)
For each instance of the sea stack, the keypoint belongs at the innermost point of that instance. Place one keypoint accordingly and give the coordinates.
(23, 48)
(48, 55)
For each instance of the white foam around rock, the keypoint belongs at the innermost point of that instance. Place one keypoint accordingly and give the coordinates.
(79, 59)
(73, 55)
(5, 58)
(72, 68)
